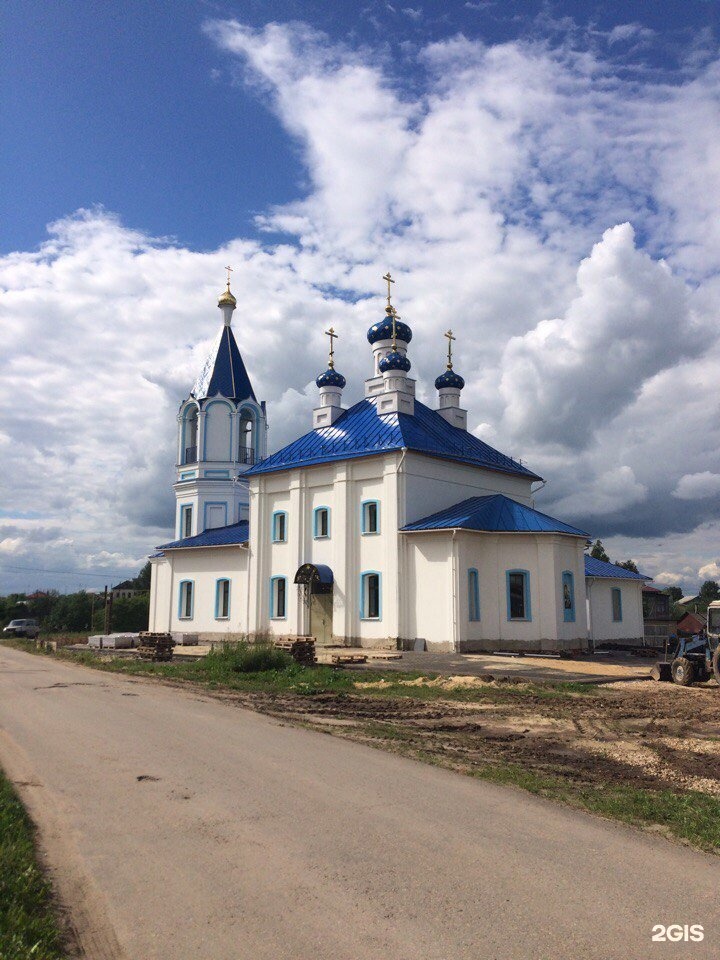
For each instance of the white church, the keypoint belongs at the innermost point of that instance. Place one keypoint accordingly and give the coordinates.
(388, 524)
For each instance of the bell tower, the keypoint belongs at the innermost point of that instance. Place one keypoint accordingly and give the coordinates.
(222, 432)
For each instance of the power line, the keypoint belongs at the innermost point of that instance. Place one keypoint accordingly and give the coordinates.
(70, 573)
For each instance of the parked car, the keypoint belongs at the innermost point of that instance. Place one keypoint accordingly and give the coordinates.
(23, 628)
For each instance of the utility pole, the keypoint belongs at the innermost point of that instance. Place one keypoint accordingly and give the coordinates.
(108, 611)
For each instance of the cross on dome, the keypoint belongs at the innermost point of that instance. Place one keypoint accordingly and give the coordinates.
(333, 336)
(332, 378)
(450, 339)
(449, 379)
(226, 298)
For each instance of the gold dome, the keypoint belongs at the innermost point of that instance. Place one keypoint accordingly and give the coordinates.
(227, 298)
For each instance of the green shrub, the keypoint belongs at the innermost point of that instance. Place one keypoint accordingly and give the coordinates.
(248, 658)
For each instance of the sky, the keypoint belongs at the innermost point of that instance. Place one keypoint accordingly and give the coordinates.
(541, 177)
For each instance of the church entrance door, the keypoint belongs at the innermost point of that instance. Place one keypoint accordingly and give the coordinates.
(316, 583)
(321, 613)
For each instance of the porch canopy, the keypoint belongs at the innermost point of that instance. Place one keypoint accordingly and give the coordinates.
(318, 577)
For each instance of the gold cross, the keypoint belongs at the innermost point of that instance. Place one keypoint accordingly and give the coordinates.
(229, 271)
(333, 336)
(450, 339)
(389, 281)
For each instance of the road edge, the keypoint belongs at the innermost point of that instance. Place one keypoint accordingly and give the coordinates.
(83, 914)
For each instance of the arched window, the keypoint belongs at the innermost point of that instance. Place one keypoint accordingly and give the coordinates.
(568, 596)
(370, 517)
(279, 527)
(222, 599)
(370, 602)
(278, 598)
(190, 436)
(185, 599)
(518, 595)
(246, 440)
(473, 594)
(321, 523)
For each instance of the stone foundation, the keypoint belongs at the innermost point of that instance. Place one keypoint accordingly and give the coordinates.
(546, 645)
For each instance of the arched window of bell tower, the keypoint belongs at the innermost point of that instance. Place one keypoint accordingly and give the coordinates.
(190, 435)
(247, 437)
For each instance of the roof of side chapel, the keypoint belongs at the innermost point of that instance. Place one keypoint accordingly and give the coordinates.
(493, 513)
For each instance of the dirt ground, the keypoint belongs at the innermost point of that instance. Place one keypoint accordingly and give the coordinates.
(637, 733)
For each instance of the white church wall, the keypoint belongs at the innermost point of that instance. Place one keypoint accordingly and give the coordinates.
(543, 557)
(429, 587)
(203, 567)
(603, 628)
(160, 592)
(342, 488)
(432, 484)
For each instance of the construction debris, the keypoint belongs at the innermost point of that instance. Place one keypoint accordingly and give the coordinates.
(301, 649)
(157, 647)
(343, 659)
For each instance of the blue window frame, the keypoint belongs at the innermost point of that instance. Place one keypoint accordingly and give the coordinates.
(278, 598)
(222, 599)
(186, 518)
(568, 596)
(370, 595)
(518, 595)
(370, 517)
(279, 527)
(186, 599)
(616, 595)
(321, 523)
(473, 594)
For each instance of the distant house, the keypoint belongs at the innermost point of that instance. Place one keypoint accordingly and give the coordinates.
(122, 591)
(691, 623)
(657, 619)
(690, 602)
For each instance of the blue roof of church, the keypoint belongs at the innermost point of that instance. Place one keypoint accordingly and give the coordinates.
(495, 513)
(224, 371)
(216, 537)
(361, 431)
(601, 568)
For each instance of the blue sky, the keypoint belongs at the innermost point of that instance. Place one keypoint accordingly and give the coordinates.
(132, 107)
(542, 177)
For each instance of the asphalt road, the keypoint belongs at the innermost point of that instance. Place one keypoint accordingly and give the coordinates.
(182, 827)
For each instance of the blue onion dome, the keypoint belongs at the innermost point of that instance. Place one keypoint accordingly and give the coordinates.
(449, 379)
(394, 361)
(384, 330)
(331, 378)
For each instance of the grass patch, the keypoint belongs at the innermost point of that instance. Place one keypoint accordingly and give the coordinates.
(28, 926)
(262, 668)
(691, 816)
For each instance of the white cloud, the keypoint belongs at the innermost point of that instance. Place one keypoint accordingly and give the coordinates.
(711, 571)
(697, 486)
(610, 492)
(631, 319)
(499, 190)
(667, 579)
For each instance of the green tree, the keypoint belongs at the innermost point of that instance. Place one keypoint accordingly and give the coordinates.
(598, 551)
(628, 565)
(142, 580)
(70, 613)
(675, 593)
(710, 590)
(131, 614)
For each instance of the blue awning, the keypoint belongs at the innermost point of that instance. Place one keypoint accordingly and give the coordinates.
(314, 574)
